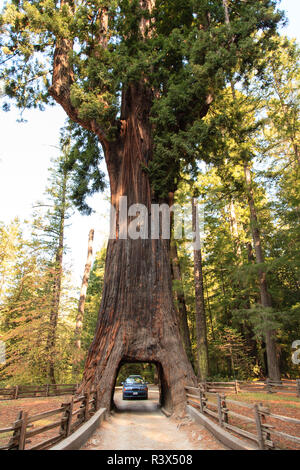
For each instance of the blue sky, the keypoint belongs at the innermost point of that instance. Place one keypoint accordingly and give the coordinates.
(25, 153)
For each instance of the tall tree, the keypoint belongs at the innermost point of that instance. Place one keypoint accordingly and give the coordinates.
(139, 76)
(60, 215)
(26, 307)
(265, 298)
(202, 350)
(82, 299)
(49, 225)
(180, 298)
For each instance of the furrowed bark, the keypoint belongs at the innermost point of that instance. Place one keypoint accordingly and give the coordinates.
(137, 320)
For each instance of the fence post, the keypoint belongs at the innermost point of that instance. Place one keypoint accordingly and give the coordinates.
(14, 440)
(69, 416)
(236, 387)
(22, 435)
(258, 427)
(66, 419)
(220, 414)
(298, 387)
(47, 390)
(86, 406)
(16, 392)
(224, 409)
(265, 429)
(268, 386)
(201, 400)
(204, 401)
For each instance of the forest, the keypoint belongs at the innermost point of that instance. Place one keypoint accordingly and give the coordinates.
(192, 102)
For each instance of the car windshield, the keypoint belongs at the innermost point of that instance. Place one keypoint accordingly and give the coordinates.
(134, 380)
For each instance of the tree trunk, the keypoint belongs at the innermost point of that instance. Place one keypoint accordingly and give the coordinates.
(137, 320)
(57, 279)
(83, 290)
(209, 309)
(273, 366)
(199, 300)
(235, 232)
(182, 311)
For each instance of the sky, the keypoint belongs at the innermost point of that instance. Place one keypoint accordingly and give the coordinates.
(25, 153)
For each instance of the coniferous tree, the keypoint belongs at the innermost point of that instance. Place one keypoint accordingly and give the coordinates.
(139, 77)
(82, 299)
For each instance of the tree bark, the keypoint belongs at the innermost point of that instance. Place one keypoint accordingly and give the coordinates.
(201, 328)
(265, 299)
(179, 292)
(137, 320)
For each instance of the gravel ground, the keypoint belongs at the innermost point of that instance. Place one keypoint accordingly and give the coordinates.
(139, 425)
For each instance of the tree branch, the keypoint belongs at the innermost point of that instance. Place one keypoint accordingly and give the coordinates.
(62, 80)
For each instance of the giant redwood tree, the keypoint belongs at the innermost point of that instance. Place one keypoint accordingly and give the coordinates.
(136, 77)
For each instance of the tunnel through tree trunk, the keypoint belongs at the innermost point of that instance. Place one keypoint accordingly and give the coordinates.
(137, 320)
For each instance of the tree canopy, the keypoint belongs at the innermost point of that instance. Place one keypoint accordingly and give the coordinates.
(183, 52)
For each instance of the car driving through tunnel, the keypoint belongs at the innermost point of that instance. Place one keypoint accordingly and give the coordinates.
(135, 387)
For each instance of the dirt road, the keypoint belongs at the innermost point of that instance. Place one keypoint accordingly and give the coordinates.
(139, 424)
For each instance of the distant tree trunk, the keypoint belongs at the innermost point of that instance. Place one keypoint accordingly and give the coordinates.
(57, 279)
(83, 290)
(209, 309)
(273, 365)
(250, 254)
(182, 311)
(234, 231)
(199, 298)
(225, 6)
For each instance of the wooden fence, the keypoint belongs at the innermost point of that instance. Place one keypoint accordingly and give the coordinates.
(27, 391)
(257, 424)
(24, 435)
(288, 387)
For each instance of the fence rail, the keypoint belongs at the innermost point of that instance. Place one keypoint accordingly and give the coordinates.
(237, 386)
(30, 391)
(258, 424)
(69, 417)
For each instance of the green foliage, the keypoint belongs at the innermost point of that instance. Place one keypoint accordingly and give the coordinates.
(93, 299)
(183, 51)
(147, 371)
(82, 163)
(28, 279)
(24, 316)
(223, 94)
